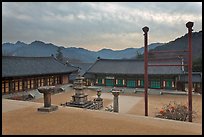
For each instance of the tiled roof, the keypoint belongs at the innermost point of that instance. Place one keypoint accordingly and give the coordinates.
(196, 77)
(131, 67)
(13, 66)
(83, 67)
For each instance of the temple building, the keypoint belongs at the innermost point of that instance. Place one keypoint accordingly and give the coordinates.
(196, 79)
(130, 73)
(26, 73)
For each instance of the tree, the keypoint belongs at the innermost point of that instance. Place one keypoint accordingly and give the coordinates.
(59, 54)
(139, 55)
(197, 65)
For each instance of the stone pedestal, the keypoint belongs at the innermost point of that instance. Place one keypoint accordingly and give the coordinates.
(47, 99)
(115, 100)
(47, 91)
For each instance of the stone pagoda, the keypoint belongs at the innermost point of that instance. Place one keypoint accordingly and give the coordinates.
(79, 99)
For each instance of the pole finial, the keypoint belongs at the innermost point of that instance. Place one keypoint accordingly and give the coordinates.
(145, 29)
(189, 24)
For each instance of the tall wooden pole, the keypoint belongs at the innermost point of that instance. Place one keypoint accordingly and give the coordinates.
(145, 29)
(189, 25)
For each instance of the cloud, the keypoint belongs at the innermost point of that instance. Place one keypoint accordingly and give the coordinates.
(90, 25)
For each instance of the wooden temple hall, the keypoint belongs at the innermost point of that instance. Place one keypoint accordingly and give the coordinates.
(130, 73)
(26, 73)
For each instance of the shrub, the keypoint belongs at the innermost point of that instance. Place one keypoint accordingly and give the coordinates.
(174, 111)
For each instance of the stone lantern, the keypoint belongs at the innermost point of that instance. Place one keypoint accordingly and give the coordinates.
(98, 93)
(115, 93)
(98, 101)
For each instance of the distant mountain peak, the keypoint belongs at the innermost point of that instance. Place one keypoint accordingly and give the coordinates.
(6, 43)
(37, 42)
(20, 43)
(105, 49)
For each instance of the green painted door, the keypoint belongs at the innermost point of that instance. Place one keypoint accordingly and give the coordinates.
(120, 82)
(100, 81)
(155, 84)
(169, 84)
(131, 83)
(142, 83)
(109, 82)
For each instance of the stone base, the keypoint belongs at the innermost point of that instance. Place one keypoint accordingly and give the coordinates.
(79, 105)
(48, 109)
(99, 103)
(95, 105)
(98, 99)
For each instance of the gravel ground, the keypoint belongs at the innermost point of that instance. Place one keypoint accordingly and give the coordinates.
(22, 117)
(125, 102)
(75, 121)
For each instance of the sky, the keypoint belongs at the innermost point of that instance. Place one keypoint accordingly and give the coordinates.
(98, 25)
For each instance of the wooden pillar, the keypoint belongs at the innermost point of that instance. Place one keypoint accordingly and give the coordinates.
(45, 81)
(189, 25)
(23, 88)
(146, 82)
(3, 83)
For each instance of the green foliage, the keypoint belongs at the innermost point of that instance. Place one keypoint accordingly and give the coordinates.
(139, 55)
(151, 56)
(59, 54)
(197, 64)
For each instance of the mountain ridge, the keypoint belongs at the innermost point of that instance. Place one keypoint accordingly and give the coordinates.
(40, 48)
